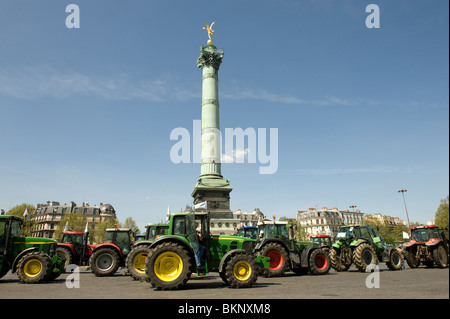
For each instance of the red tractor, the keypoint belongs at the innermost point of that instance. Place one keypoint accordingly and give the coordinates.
(428, 245)
(106, 258)
(74, 248)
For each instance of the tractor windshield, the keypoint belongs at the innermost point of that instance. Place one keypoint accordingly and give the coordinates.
(424, 234)
(346, 233)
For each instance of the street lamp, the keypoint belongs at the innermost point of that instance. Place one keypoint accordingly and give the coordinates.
(353, 206)
(403, 191)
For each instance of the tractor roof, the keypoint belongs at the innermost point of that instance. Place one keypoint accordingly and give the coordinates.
(423, 226)
(118, 229)
(267, 221)
(11, 216)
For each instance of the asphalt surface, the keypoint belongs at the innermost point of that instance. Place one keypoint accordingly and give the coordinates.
(421, 283)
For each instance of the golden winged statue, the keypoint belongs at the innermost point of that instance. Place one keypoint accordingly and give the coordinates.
(210, 31)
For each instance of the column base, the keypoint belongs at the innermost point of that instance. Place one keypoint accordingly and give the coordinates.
(216, 192)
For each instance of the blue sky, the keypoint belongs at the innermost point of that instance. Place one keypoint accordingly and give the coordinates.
(86, 114)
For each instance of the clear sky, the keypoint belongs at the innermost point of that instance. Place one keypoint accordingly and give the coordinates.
(86, 113)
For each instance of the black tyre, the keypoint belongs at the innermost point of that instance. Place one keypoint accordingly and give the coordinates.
(395, 260)
(34, 267)
(136, 262)
(319, 262)
(168, 266)
(279, 259)
(363, 256)
(440, 256)
(66, 254)
(241, 271)
(411, 257)
(104, 262)
(341, 259)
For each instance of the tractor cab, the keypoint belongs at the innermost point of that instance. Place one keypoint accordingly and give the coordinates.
(248, 231)
(423, 234)
(321, 239)
(155, 230)
(121, 237)
(74, 238)
(271, 229)
(9, 228)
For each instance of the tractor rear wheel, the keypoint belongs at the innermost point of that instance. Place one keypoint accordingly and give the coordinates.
(241, 271)
(411, 257)
(279, 259)
(363, 256)
(168, 266)
(34, 267)
(104, 262)
(136, 262)
(440, 256)
(319, 262)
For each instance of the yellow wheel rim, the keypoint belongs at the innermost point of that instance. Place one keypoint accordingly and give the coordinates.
(168, 266)
(242, 270)
(139, 262)
(32, 268)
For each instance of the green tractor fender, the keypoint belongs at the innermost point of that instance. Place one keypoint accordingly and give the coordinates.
(19, 256)
(358, 242)
(304, 258)
(266, 241)
(227, 256)
(177, 239)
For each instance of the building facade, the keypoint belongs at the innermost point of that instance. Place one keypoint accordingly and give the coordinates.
(327, 220)
(47, 216)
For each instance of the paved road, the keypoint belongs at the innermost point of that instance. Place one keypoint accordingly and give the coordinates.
(420, 283)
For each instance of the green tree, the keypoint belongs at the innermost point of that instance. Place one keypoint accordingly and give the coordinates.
(441, 215)
(299, 231)
(100, 230)
(18, 211)
(75, 221)
(130, 223)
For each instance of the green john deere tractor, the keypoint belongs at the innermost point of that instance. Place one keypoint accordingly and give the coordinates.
(189, 247)
(33, 258)
(136, 258)
(363, 246)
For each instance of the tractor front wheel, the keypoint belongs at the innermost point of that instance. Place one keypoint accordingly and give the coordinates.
(241, 271)
(341, 258)
(136, 262)
(395, 260)
(104, 262)
(168, 266)
(34, 267)
(319, 262)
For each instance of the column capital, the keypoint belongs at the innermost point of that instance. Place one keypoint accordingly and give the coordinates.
(210, 56)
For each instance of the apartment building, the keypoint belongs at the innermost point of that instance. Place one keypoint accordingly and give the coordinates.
(327, 220)
(47, 216)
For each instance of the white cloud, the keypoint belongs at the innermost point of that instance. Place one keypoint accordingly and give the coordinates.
(39, 82)
(344, 171)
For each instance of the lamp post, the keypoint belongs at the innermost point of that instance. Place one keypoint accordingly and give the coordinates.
(403, 191)
(353, 207)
